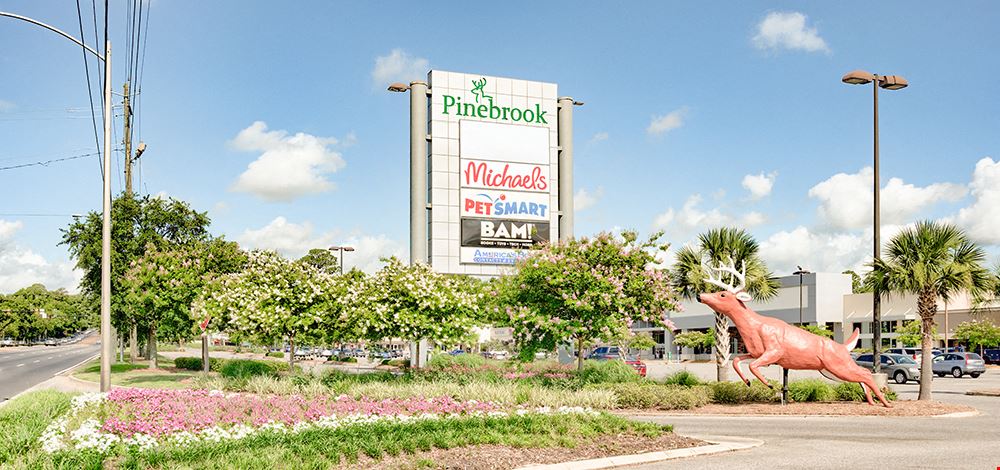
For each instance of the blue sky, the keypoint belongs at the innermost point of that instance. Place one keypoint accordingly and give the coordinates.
(695, 116)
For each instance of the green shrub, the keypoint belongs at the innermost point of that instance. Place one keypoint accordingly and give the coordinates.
(732, 393)
(194, 363)
(596, 372)
(811, 390)
(342, 359)
(444, 361)
(277, 354)
(683, 377)
(850, 391)
(663, 397)
(246, 368)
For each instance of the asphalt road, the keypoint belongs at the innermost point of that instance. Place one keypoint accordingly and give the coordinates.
(860, 442)
(23, 367)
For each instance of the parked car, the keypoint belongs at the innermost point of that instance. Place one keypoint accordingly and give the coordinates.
(51, 342)
(604, 353)
(992, 356)
(326, 353)
(915, 353)
(7, 342)
(636, 364)
(498, 354)
(898, 367)
(958, 364)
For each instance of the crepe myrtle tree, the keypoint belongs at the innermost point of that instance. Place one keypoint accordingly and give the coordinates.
(978, 334)
(586, 290)
(413, 302)
(162, 284)
(274, 298)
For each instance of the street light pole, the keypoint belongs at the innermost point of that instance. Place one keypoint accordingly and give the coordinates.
(889, 82)
(107, 343)
(341, 249)
(800, 273)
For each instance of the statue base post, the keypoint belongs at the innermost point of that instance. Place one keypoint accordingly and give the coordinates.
(784, 386)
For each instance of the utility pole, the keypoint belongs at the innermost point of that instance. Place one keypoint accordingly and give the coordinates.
(133, 348)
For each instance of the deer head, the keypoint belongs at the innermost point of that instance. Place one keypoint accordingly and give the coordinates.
(733, 296)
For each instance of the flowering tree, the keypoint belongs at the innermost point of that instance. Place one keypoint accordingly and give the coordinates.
(978, 334)
(414, 302)
(161, 285)
(586, 290)
(274, 298)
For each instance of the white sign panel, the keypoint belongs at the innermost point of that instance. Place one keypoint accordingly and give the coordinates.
(487, 204)
(504, 142)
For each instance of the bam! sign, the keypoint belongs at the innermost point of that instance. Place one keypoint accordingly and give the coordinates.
(503, 233)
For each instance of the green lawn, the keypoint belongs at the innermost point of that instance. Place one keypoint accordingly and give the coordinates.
(24, 420)
(138, 374)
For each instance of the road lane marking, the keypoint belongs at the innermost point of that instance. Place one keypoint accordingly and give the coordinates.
(20, 365)
(36, 361)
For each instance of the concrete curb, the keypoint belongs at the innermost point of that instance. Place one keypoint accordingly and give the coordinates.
(959, 414)
(718, 445)
(983, 393)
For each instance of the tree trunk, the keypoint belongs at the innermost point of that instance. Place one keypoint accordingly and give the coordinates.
(152, 346)
(133, 340)
(291, 354)
(926, 306)
(721, 347)
(579, 354)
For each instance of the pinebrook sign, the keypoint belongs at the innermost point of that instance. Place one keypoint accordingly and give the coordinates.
(491, 111)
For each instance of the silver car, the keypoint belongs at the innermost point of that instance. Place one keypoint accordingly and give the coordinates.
(958, 364)
(898, 367)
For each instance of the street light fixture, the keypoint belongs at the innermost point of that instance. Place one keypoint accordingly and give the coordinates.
(398, 87)
(341, 249)
(888, 82)
(107, 346)
(800, 273)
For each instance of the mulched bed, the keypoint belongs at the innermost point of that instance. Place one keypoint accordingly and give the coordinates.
(899, 408)
(490, 457)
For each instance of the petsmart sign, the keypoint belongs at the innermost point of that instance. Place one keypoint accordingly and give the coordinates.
(505, 204)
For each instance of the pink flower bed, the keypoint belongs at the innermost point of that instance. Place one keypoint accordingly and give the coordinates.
(162, 412)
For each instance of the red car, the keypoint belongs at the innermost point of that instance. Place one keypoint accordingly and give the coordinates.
(636, 364)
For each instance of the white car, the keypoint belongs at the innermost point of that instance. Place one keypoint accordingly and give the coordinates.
(498, 354)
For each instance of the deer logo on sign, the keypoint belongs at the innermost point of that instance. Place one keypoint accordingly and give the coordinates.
(477, 89)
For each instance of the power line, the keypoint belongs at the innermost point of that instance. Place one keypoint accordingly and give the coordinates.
(90, 93)
(47, 162)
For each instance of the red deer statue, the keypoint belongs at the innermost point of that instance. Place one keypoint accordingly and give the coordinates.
(772, 341)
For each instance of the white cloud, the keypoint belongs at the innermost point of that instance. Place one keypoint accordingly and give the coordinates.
(21, 267)
(846, 200)
(6, 106)
(599, 137)
(788, 30)
(690, 218)
(289, 166)
(819, 252)
(667, 122)
(398, 66)
(294, 240)
(759, 185)
(584, 199)
(982, 218)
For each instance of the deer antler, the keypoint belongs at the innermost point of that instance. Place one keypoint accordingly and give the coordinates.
(730, 269)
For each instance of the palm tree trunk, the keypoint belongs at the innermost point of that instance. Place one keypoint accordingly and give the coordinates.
(926, 306)
(721, 347)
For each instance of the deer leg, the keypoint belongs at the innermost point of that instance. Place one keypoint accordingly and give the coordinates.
(736, 366)
(769, 357)
(852, 373)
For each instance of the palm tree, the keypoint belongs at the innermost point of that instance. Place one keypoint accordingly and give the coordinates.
(931, 260)
(722, 245)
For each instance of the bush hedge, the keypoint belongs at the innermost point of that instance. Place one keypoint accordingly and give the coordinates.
(732, 393)
(277, 354)
(663, 397)
(595, 372)
(683, 377)
(342, 359)
(445, 361)
(808, 390)
(233, 368)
